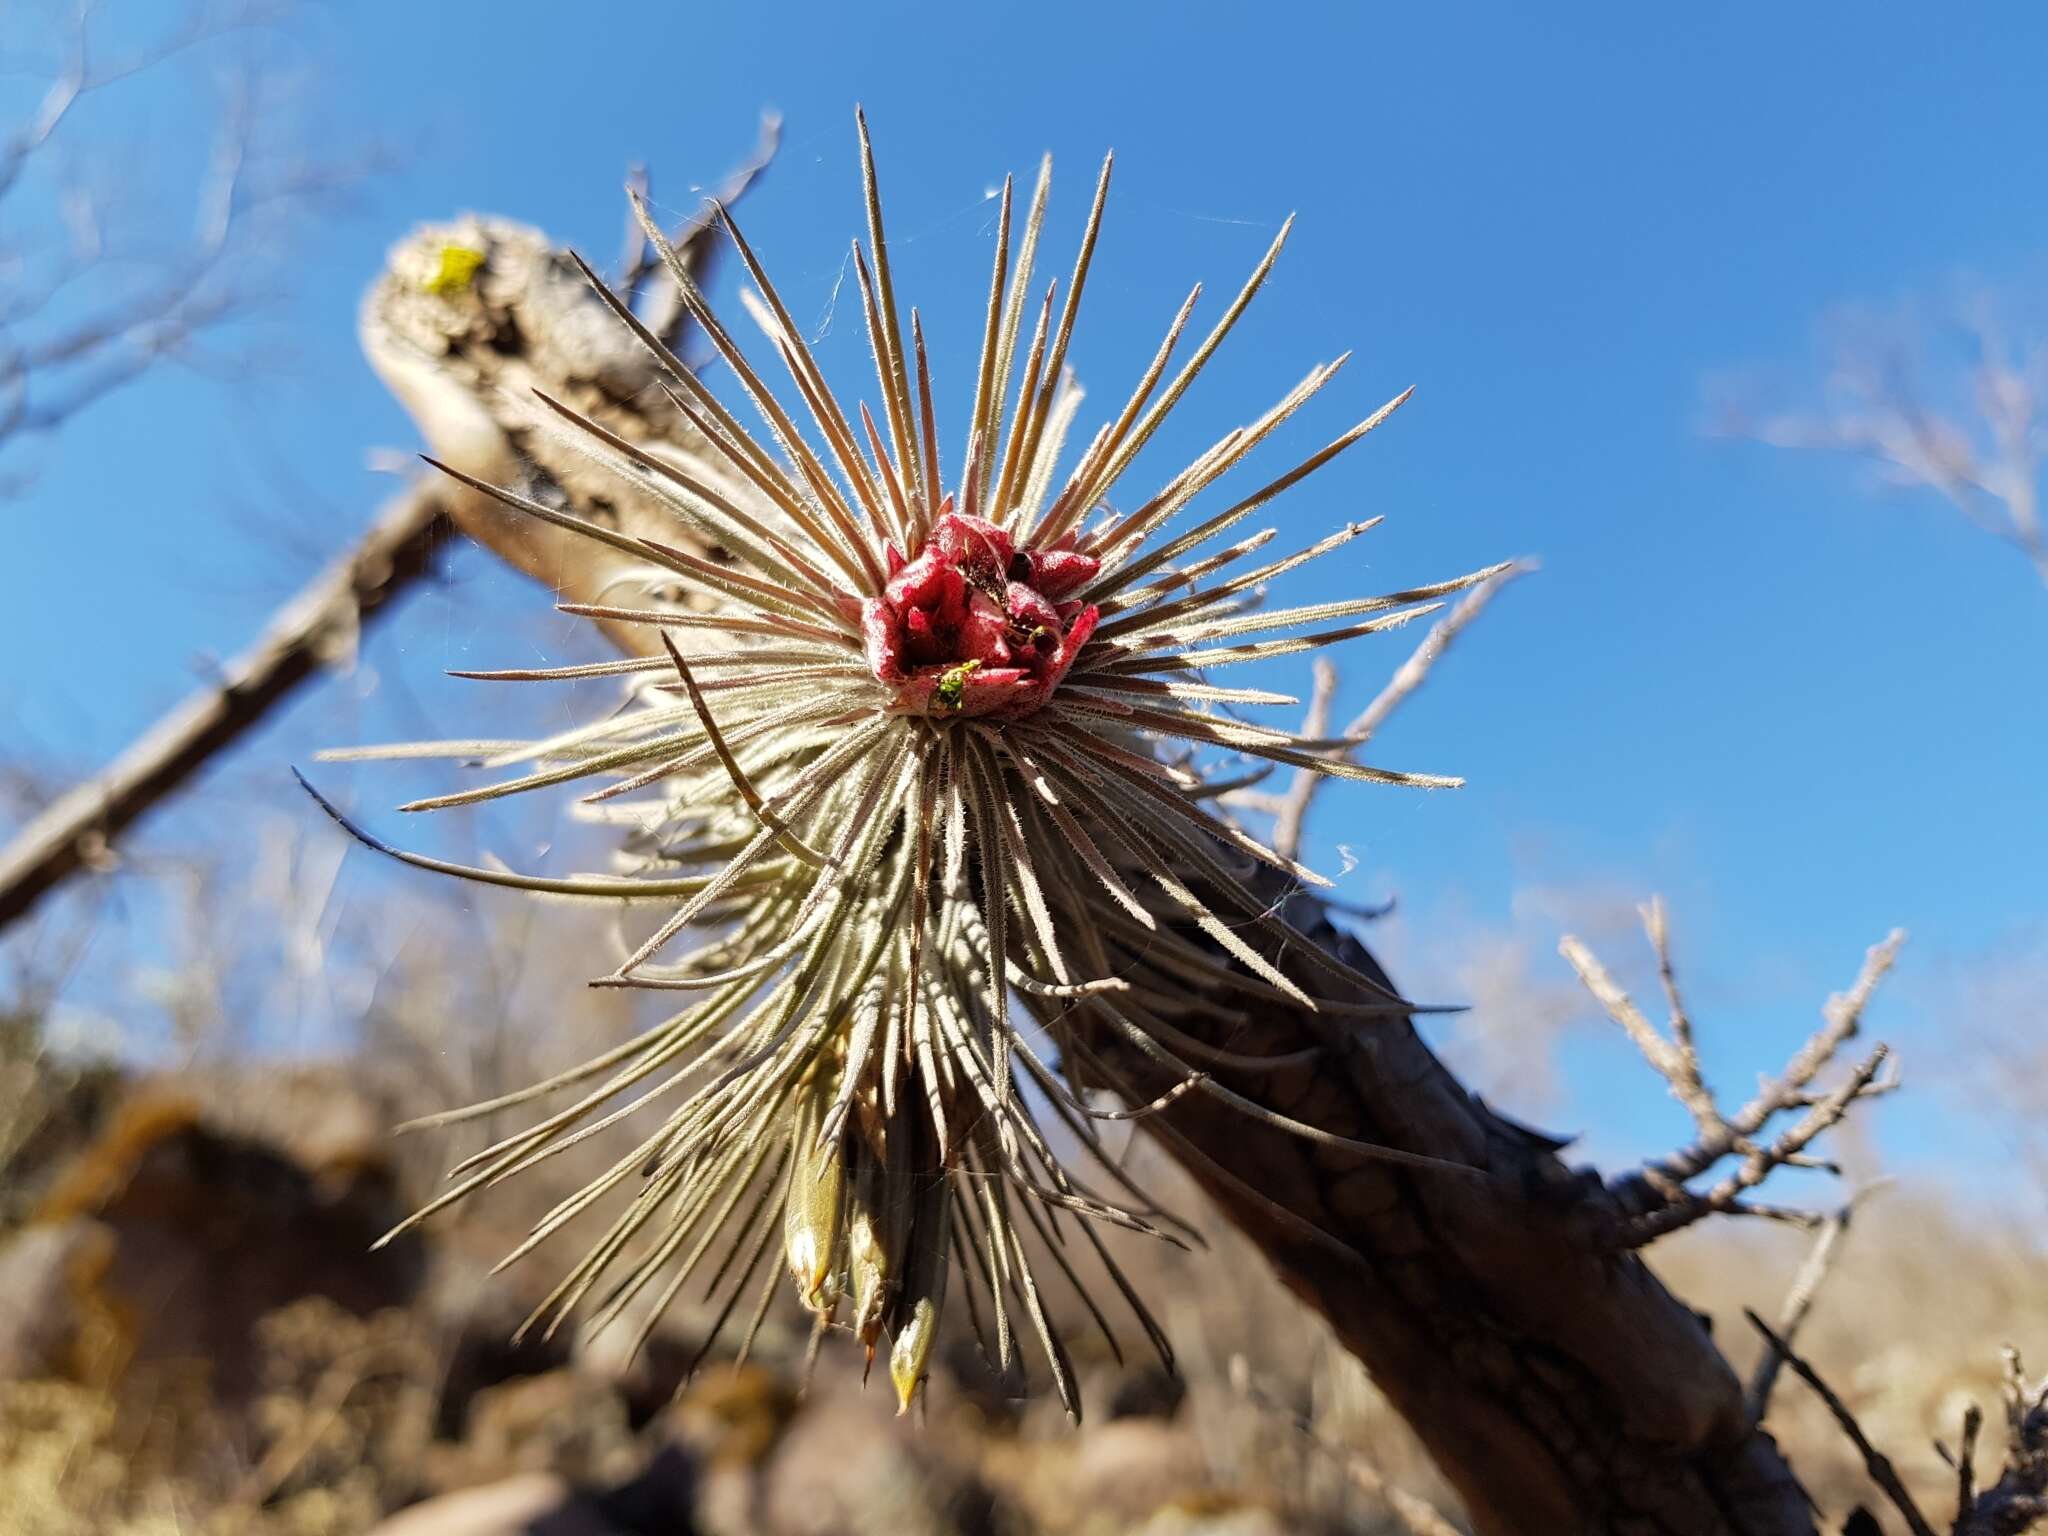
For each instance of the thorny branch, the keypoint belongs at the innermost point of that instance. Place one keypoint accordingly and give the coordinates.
(1668, 1397)
(1658, 1199)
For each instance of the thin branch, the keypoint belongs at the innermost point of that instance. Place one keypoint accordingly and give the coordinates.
(1806, 1284)
(2019, 1499)
(2016, 1503)
(1984, 456)
(663, 309)
(316, 627)
(1290, 810)
(78, 77)
(1657, 1199)
(1874, 1461)
(145, 306)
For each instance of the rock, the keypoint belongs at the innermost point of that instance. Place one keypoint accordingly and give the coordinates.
(733, 1415)
(562, 1422)
(847, 1466)
(728, 1421)
(206, 1232)
(1212, 1516)
(532, 1504)
(322, 1115)
(1149, 1391)
(662, 1501)
(53, 1101)
(478, 1324)
(1128, 1469)
(650, 1376)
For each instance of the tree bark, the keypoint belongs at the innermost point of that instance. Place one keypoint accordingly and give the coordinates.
(1559, 1386)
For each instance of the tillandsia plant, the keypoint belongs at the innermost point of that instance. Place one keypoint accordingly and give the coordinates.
(929, 771)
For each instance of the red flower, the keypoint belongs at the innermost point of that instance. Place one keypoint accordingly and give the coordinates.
(972, 626)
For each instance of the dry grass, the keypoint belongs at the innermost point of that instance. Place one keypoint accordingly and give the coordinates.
(340, 1430)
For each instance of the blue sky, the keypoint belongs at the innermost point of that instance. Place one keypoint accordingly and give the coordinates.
(1804, 713)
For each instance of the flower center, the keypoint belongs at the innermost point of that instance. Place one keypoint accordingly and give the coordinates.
(975, 626)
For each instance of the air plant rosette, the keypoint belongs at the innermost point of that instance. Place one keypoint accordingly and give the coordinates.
(929, 772)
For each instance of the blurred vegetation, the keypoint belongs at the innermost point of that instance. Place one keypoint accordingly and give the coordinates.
(334, 1392)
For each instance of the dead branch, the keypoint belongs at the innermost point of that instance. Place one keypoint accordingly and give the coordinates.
(1874, 1461)
(1799, 1299)
(2019, 1499)
(317, 628)
(1657, 1199)
(84, 319)
(2017, 1502)
(466, 358)
(1971, 432)
(1290, 810)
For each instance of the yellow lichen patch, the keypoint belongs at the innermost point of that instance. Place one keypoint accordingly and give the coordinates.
(458, 267)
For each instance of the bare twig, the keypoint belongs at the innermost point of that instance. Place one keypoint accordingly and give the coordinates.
(1806, 1284)
(1874, 1461)
(662, 309)
(2017, 1502)
(1290, 810)
(83, 73)
(83, 319)
(1658, 1198)
(2019, 1499)
(316, 627)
